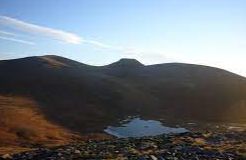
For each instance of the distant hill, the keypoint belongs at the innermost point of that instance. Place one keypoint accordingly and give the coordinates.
(86, 98)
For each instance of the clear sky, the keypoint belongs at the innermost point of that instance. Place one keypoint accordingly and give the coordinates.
(98, 32)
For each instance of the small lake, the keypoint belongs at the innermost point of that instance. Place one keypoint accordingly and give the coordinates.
(137, 127)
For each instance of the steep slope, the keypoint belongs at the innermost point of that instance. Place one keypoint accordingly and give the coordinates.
(86, 98)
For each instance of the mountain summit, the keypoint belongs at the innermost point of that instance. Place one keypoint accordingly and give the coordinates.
(126, 62)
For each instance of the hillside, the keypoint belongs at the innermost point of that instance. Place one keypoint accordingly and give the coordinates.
(85, 98)
(23, 125)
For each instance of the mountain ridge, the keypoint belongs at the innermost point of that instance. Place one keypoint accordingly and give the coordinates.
(123, 61)
(110, 93)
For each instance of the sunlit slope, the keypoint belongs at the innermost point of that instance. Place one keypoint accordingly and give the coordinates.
(23, 124)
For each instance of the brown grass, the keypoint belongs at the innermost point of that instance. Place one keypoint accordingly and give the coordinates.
(22, 124)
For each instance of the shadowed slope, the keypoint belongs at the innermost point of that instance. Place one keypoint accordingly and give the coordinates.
(86, 98)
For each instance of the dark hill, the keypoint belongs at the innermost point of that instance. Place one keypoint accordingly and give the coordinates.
(85, 98)
(121, 68)
(125, 63)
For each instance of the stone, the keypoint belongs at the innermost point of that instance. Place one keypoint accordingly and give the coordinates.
(7, 156)
(59, 154)
(153, 157)
(77, 151)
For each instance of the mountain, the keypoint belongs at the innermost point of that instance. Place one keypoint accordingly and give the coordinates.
(125, 63)
(77, 97)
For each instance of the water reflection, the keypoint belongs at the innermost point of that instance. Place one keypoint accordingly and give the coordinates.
(137, 127)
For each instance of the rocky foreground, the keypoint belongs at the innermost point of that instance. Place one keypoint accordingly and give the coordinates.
(197, 146)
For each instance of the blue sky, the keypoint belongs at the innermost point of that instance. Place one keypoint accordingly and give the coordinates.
(99, 32)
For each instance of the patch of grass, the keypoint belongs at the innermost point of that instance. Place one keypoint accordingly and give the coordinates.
(22, 123)
(25, 132)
